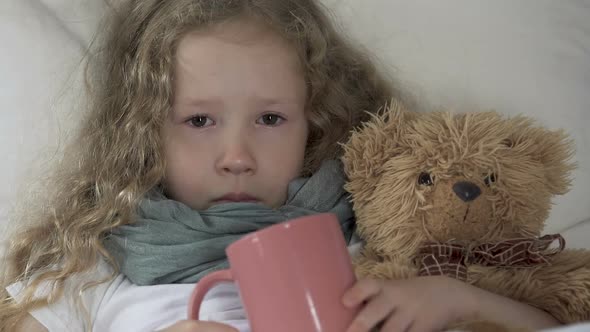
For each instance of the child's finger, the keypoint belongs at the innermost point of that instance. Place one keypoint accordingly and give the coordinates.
(426, 324)
(361, 291)
(401, 321)
(214, 327)
(196, 326)
(376, 310)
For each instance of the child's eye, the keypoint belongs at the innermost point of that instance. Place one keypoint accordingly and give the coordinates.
(200, 121)
(270, 119)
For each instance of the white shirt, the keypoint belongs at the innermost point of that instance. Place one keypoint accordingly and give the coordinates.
(120, 305)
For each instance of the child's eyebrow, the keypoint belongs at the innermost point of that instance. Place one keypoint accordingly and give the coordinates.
(278, 101)
(185, 106)
(213, 103)
(204, 103)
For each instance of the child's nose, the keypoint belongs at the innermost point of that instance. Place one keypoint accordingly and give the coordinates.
(236, 159)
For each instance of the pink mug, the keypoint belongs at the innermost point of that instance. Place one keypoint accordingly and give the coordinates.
(291, 277)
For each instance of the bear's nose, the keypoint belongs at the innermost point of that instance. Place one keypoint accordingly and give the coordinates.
(467, 191)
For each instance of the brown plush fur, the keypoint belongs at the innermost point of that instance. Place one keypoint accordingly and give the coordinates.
(518, 166)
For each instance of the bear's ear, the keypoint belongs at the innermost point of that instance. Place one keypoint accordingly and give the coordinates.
(374, 142)
(556, 155)
(554, 149)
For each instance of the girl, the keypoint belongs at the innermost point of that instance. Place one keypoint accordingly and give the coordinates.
(204, 110)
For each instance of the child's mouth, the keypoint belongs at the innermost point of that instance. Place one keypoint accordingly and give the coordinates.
(236, 197)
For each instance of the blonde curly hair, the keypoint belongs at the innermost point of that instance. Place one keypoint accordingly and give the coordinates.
(117, 155)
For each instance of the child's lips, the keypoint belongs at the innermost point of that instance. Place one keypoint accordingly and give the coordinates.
(236, 197)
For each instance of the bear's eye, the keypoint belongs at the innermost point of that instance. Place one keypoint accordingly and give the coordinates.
(425, 179)
(508, 142)
(491, 178)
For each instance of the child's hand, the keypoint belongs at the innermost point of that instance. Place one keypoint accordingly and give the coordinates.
(198, 326)
(418, 304)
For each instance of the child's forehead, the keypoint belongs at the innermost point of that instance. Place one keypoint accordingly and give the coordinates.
(239, 29)
(210, 52)
(226, 62)
(238, 32)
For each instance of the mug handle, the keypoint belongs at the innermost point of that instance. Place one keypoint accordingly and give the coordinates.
(201, 289)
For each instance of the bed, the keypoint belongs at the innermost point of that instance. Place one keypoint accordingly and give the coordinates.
(529, 56)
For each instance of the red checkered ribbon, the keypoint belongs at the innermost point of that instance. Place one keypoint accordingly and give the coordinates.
(451, 259)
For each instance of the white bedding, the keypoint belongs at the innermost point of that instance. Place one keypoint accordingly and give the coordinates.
(527, 56)
(582, 327)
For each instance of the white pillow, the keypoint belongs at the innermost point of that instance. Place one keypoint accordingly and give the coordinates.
(42, 46)
(527, 56)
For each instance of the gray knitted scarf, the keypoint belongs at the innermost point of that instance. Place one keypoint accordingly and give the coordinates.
(172, 243)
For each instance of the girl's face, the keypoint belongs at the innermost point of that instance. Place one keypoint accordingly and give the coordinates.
(238, 128)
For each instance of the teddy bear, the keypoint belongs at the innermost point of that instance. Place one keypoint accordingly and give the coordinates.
(466, 195)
